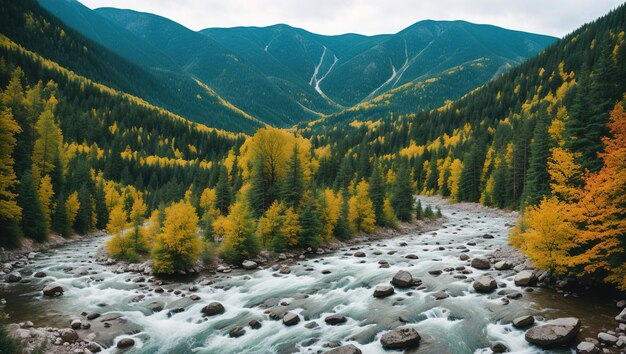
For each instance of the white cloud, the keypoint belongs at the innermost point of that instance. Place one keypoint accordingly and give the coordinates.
(556, 17)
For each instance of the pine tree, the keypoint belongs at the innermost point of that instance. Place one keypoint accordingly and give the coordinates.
(60, 221)
(377, 193)
(342, 228)
(46, 198)
(47, 146)
(178, 245)
(102, 212)
(428, 212)
(361, 213)
(402, 194)
(34, 224)
(310, 221)
(537, 184)
(84, 218)
(419, 211)
(223, 192)
(469, 183)
(293, 186)
(240, 241)
(10, 211)
(262, 192)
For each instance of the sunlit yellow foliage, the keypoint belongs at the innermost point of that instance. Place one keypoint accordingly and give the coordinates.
(361, 210)
(72, 205)
(270, 224)
(456, 168)
(564, 174)
(178, 245)
(546, 234)
(332, 210)
(45, 197)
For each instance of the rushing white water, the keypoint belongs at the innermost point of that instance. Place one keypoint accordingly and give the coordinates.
(465, 322)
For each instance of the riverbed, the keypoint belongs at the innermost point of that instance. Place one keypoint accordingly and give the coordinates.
(317, 287)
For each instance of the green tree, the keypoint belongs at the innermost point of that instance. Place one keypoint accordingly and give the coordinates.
(60, 221)
(34, 224)
(310, 221)
(223, 192)
(293, 186)
(84, 219)
(538, 179)
(402, 193)
(377, 192)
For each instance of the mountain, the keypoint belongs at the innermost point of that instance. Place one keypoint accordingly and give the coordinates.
(349, 69)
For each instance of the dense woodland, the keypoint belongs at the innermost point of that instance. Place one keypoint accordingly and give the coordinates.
(548, 138)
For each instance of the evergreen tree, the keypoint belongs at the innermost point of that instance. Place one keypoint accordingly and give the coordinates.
(344, 175)
(293, 186)
(428, 212)
(377, 192)
(34, 224)
(419, 212)
(469, 184)
(84, 219)
(310, 221)
(538, 179)
(102, 212)
(60, 221)
(223, 192)
(402, 193)
(342, 229)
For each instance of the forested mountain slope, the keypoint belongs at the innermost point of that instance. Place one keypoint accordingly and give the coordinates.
(32, 27)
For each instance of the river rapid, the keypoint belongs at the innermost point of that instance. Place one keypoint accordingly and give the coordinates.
(338, 283)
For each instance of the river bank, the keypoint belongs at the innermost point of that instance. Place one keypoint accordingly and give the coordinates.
(447, 311)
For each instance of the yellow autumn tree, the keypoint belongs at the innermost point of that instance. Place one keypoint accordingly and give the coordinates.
(178, 245)
(361, 210)
(270, 224)
(72, 205)
(456, 169)
(291, 231)
(48, 145)
(240, 241)
(332, 209)
(602, 207)
(546, 233)
(45, 197)
(117, 245)
(9, 210)
(389, 215)
(564, 173)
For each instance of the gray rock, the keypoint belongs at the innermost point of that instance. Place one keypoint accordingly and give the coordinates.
(68, 335)
(254, 324)
(284, 270)
(335, 319)
(359, 254)
(402, 279)
(345, 349)
(53, 289)
(125, 343)
(485, 284)
(621, 304)
(236, 332)
(480, 263)
(39, 275)
(440, 295)
(525, 278)
(290, 319)
(76, 324)
(606, 338)
(212, 309)
(464, 257)
(14, 277)
(499, 348)
(557, 332)
(383, 291)
(399, 338)
(523, 321)
(92, 315)
(93, 347)
(502, 265)
(249, 265)
(621, 318)
(586, 348)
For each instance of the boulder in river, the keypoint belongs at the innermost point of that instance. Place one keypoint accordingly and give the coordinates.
(383, 291)
(503, 265)
(254, 324)
(39, 275)
(587, 348)
(606, 338)
(557, 332)
(290, 319)
(440, 295)
(14, 277)
(464, 257)
(360, 254)
(335, 319)
(499, 348)
(481, 263)
(212, 309)
(53, 289)
(399, 338)
(485, 284)
(525, 278)
(68, 335)
(236, 332)
(523, 321)
(249, 265)
(402, 279)
(125, 343)
(76, 324)
(621, 318)
(345, 349)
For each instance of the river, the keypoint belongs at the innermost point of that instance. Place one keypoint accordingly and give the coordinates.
(465, 322)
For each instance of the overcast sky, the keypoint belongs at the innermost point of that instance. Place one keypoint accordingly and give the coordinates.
(553, 17)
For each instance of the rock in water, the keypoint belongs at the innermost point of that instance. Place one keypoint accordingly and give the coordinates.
(502, 265)
(212, 309)
(399, 338)
(290, 319)
(335, 319)
(525, 278)
(237, 332)
(606, 338)
(480, 263)
(345, 349)
(14, 277)
(125, 343)
(587, 348)
(485, 284)
(383, 291)
(523, 321)
(68, 335)
(402, 279)
(621, 318)
(53, 289)
(557, 332)
(249, 265)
